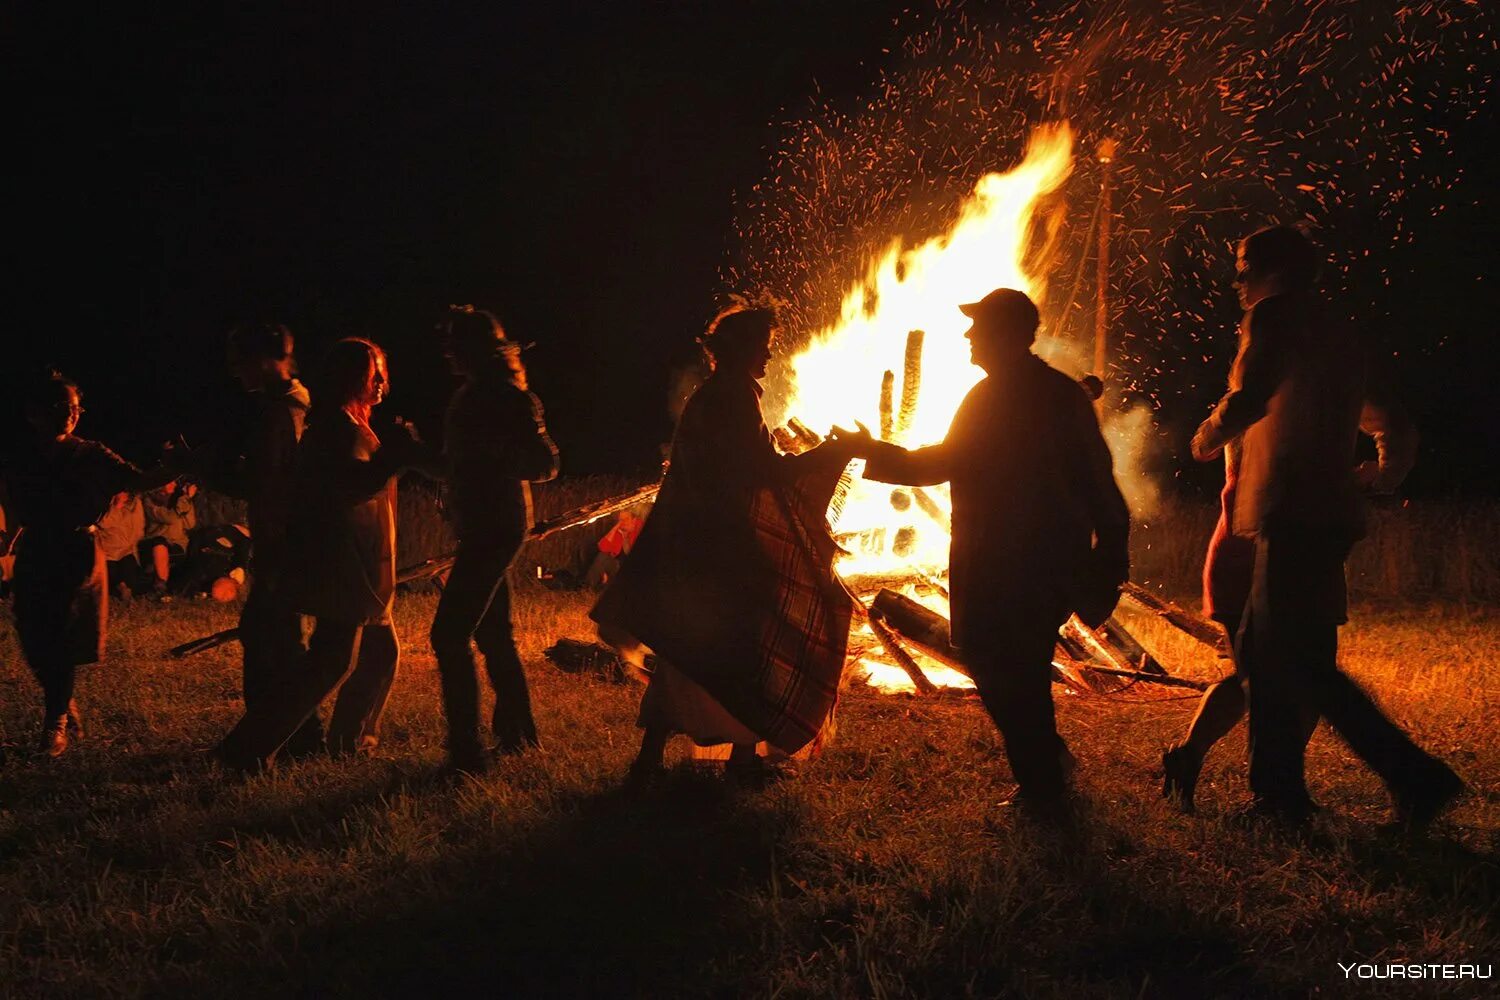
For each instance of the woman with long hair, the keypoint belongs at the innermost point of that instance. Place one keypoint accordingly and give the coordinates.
(343, 534)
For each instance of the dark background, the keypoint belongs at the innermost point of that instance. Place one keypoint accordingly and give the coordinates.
(572, 168)
(350, 171)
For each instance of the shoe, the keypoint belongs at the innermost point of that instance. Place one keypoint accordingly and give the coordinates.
(513, 736)
(236, 764)
(1416, 808)
(642, 774)
(75, 720)
(55, 737)
(1179, 777)
(470, 760)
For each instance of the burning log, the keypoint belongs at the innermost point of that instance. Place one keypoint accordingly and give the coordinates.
(1094, 645)
(1064, 665)
(887, 405)
(1196, 626)
(919, 625)
(930, 507)
(809, 438)
(1080, 647)
(898, 653)
(911, 381)
(1131, 647)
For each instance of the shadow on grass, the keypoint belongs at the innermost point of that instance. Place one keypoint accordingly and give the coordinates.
(610, 894)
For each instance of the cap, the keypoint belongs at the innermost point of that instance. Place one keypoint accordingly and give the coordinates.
(1007, 308)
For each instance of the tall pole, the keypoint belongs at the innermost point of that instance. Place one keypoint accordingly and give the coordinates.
(1106, 153)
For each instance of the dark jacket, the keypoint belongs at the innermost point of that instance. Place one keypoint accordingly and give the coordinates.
(1032, 485)
(58, 491)
(1297, 400)
(495, 441)
(262, 470)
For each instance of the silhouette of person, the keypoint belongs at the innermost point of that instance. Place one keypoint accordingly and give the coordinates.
(730, 582)
(1296, 403)
(1040, 529)
(60, 485)
(495, 442)
(342, 536)
(259, 468)
(1228, 570)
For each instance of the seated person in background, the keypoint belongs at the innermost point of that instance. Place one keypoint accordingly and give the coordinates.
(121, 531)
(170, 519)
(614, 547)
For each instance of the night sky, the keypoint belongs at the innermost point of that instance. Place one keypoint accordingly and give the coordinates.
(574, 168)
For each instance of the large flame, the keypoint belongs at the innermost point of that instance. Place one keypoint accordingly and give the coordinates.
(838, 377)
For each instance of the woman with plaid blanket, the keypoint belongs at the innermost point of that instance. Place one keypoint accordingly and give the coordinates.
(731, 583)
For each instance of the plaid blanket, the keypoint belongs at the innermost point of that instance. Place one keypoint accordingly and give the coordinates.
(733, 584)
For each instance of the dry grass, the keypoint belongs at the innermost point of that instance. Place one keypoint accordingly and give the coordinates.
(130, 868)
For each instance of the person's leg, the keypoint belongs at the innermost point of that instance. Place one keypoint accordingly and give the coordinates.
(1015, 686)
(161, 564)
(466, 597)
(1411, 774)
(355, 724)
(331, 651)
(271, 640)
(1269, 649)
(1222, 707)
(648, 760)
(512, 724)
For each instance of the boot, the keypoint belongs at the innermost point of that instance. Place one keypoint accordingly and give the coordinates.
(55, 736)
(75, 720)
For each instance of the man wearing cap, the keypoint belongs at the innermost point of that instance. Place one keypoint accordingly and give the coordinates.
(1039, 528)
(495, 443)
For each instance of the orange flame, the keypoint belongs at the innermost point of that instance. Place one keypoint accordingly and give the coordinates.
(838, 377)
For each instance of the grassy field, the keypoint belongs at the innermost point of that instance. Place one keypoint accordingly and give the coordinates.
(131, 868)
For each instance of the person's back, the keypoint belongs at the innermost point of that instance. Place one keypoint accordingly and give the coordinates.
(496, 443)
(270, 458)
(1296, 463)
(1021, 522)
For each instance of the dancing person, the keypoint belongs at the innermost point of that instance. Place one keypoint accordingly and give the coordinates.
(495, 444)
(1229, 566)
(1040, 530)
(258, 466)
(1295, 405)
(730, 583)
(60, 485)
(340, 567)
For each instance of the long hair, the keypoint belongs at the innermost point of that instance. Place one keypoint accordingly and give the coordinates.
(345, 369)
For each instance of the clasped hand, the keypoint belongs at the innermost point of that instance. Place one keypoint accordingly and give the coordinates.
(857, 443)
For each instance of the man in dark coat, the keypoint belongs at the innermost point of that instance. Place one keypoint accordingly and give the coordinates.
(259, 470)
(496, 443)
(1296, 402)
(1040, 528)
